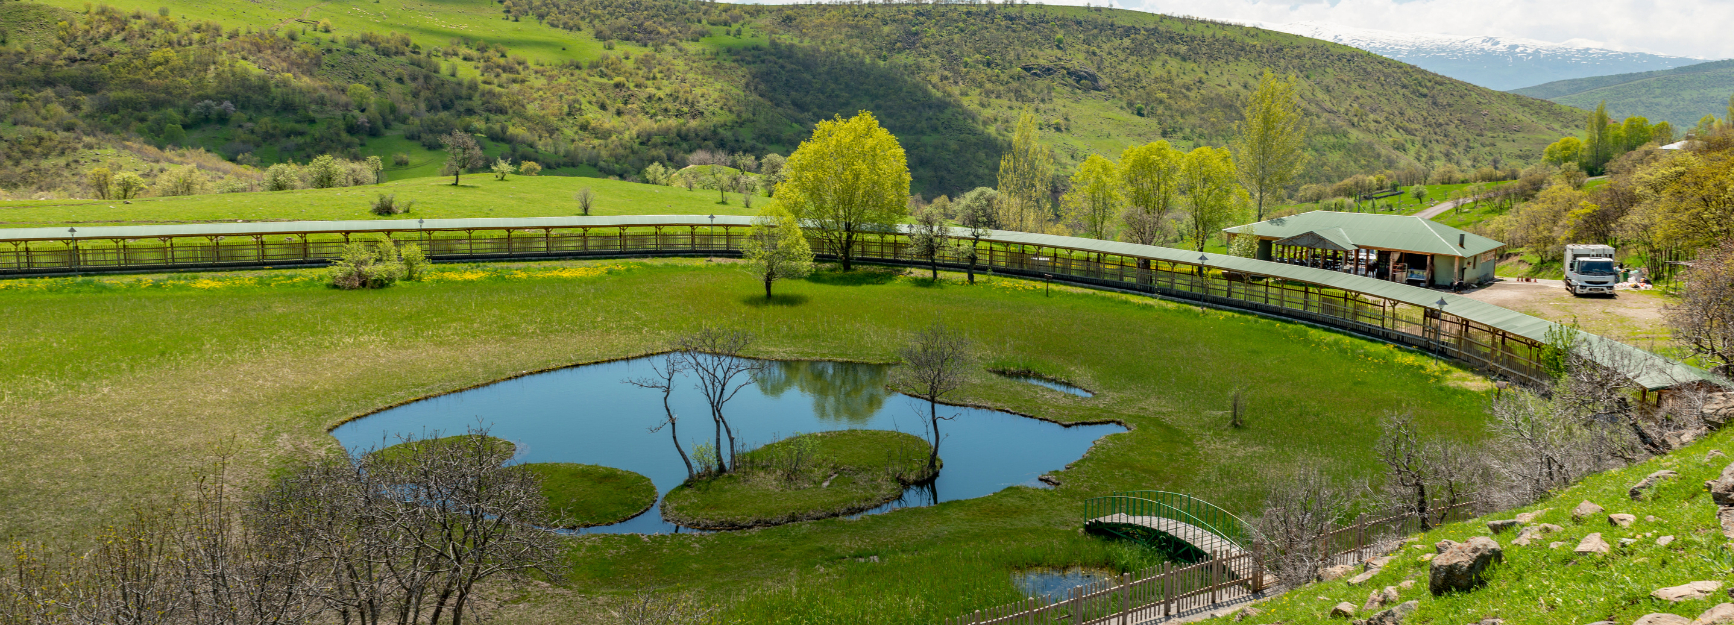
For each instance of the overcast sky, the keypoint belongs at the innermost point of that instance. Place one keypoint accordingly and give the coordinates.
(1694, 28)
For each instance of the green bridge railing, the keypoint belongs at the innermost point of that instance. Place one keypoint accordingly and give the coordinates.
(1176, 507)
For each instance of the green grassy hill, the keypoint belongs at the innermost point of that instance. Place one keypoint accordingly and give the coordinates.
(1681, 96)
(605, 87)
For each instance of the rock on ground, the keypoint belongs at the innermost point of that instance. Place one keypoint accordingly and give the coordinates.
(1502, 525)
(1535, 532)
(1392, 616)
(1525, 517)
(1664, 541)
(1462, 567)
(1332, 572)
(1720, 615)
(1622, 520)
(1687, 592)
(1380, 598)
(1722, 488)
(1662, 619)
(1585, 509)
(1343, 610)
(1246, 613)
(1637, 491)
(1592, 543)
(1362, 578)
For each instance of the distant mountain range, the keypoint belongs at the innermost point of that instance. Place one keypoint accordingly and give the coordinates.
(1503, 63)
(1682, 95)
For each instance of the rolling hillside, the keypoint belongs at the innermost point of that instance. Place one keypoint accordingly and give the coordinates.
(1681, 96)
(606, 87)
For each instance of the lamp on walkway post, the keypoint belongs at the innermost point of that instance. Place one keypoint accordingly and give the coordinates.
(711, 232)
(72, 259)
(1439, 332)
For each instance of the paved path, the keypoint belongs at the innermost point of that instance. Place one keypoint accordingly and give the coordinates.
(1199, 537)
(1438, 210)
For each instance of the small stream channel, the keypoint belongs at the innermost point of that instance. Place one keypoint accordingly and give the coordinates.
(589, 415)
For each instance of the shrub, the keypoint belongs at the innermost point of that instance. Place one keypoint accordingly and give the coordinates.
(182, 180)
(386, 204)
(529, 168)
(326, 172)
(502, 168)
(399, 159)
(367, 266)
(414, 261)
(127, 185)
(281, 177)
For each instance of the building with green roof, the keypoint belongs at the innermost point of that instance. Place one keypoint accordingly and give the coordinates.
(1399, 248)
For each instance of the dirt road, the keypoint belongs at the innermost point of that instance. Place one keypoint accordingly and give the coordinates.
(1632, 317)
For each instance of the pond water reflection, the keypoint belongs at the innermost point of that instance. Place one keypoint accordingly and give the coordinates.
(587, 415)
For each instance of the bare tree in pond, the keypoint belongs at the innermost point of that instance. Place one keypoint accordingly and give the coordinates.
(665, 369)
(713, 355)
(936, 362)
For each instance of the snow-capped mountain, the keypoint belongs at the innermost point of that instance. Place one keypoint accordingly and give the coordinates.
(1502, 63)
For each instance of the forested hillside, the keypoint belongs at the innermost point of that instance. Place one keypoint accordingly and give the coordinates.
(1681, 96)
(610, 86)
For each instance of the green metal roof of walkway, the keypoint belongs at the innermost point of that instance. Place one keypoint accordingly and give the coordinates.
(1647, 369)
(1386, 232)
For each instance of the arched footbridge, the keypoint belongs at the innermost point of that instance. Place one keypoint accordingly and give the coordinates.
(1175, 521)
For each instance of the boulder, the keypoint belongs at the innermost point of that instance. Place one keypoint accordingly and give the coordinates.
(1662, 618)
(1720, 615)
(1502, 525)
(1725, 516)
(1585, 509)
(1392, 616)
(1637, 491)
(1444, 545)
(1362, 578)
(1722, 488)
(1380, 598)
(1463, 566)
(1332, 572)
(1525, 517)
(1665, 541)
(1343, 610)
(1592, 543)
(1622, 520)
(1687, 592)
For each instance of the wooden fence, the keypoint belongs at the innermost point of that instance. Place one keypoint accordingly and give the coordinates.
(1167, 591)
(1480, 345)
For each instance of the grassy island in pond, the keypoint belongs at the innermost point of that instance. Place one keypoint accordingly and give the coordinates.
(402, 451)
(806, 477)
(586, 495)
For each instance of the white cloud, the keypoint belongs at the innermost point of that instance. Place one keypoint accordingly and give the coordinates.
(1676, 27)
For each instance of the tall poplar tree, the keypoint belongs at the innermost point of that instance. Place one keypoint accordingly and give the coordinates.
(1212, 197)
(1025, 174)
(1598, 149)
(1271, 148)
(849, 177)
(1094, 200)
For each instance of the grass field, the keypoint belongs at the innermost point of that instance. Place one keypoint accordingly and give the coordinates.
(117, 388)
(479, 195)
(1541, 584)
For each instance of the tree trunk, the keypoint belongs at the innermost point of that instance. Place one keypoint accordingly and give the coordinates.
(673, 435)
(1421, 503)
(767, 287)
(846, 248)
(933, 454)
(972, 256)
(721, 465)
(933, 263)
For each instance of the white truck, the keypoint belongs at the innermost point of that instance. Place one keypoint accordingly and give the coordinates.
(1589, 269)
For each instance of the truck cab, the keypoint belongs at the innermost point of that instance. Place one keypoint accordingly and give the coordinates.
(1589, 269)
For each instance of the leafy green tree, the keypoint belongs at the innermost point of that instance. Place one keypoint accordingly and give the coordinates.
(281, 177)
(1213, 194)
(1271, 147)
(656, 173)
(360, 96)
(1419, 192)
(977, 211)
(1150, 175)
(930, 237)
(101, 181)
(771, 171)
(1245, 244)
(503, 168)
(376, 166)
(1025, 176)
(1598, 148)
(1094, 199)
(181, 180)
(462, 153)
(127, 185)
(776, 247)
(529, 168)
(1636, 131)
(1566, 150)
(850, 176)
(325, 172)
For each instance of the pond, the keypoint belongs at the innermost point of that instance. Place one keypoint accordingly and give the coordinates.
(1039, 381)
(1054, 584)
(589, 415)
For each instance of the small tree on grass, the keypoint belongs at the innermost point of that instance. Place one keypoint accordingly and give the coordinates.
(713, 355)
(976, 211)
(664, 371)
(128, 185)
(376, 265)
(101, 181)
(777, 248)
(936, 362)
(930, 237)
(1419, 192)
(585, 197)
(529, 168)
(462, 153)
(503, 168)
